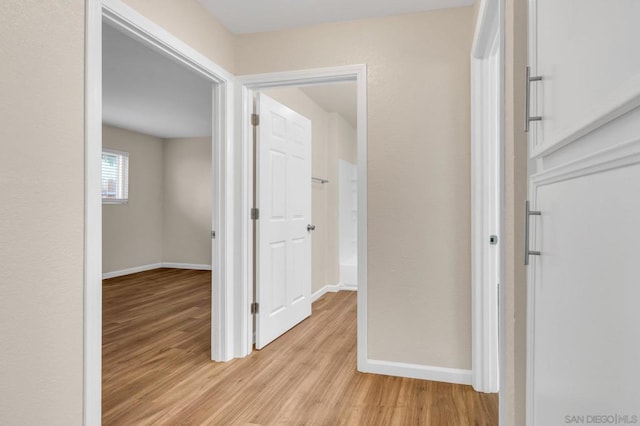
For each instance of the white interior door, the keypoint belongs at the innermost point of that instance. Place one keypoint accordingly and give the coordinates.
(283, 238)
(584, 286)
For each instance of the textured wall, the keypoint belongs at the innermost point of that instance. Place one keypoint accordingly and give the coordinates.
(515, 163)
(132, 232)
(187, 201)
(42, 211)
(419, 294)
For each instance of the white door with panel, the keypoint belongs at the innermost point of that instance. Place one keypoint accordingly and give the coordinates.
(283, 289)
(584, 186)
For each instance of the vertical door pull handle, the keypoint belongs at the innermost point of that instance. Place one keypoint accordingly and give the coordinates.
(527, 107)
(528, 215)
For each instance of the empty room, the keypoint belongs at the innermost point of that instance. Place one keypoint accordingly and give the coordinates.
(357, 212)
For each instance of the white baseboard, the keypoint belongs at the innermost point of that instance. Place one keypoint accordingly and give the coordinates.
(417, 371)
(348, 287)
(199, 267)
(331, 289)
(151, 266)
(133, 270)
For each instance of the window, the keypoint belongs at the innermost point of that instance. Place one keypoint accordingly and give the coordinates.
(115, 176)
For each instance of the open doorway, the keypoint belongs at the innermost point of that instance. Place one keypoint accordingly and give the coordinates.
(157, 199)
(251, 85)
(220, 84)
(306, 193)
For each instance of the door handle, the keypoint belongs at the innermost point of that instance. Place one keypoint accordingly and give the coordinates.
(527, 107)
(528, 215)
(311, 228)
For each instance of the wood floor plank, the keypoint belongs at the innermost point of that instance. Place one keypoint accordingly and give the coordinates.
(157, 369)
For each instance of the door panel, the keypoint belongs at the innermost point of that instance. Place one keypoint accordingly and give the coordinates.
(284, 199)
(586, 52)
(583, 342)
(585, 315)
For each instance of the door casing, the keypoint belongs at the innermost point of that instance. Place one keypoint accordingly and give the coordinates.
(247, 86)
(127, 20)
(487, 183)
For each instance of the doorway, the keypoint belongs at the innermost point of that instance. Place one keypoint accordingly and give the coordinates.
(306, 181)
(134, 25)
(251, 85)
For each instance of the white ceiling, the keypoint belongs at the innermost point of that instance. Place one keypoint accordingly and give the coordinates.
(147, 92)
(251, 16)
(339, 97)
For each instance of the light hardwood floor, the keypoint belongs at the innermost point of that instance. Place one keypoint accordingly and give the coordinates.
(156, 367)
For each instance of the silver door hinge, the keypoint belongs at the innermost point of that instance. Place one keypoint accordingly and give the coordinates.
(213, 234)
(255, 308)
(255, 213)
(255, 120)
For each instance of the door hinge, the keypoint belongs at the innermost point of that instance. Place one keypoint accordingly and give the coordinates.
(255, 120)
(255, 308)
(255, 213)
(213, 234)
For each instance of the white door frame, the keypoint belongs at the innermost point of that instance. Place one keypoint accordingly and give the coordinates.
(142, 29)
(247, 85)
(487, 174)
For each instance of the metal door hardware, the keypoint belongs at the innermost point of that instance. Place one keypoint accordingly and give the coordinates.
(528, 118)
(493, 240)
(311, 228)
(528, 215)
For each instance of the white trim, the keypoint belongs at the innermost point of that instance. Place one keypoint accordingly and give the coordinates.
(129, 271)
(151, 266)
(487, 25)
(194, 266)
(324, 290)
(348, 287)
(357, 73)
(620, 155)
(487, 182)
(612, 158)
(92, 314)
(127, 20)
(331, 289)
(417, 371)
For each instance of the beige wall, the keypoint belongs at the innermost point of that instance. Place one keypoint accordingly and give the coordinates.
(344, 140)
(168, 216)
(418, 171)
(42, 210)
(515, 156)
(187, 201)
(332, 139)
(343, 145)
(132, 232)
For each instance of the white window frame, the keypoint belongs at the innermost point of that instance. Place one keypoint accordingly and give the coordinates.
(123, 178)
